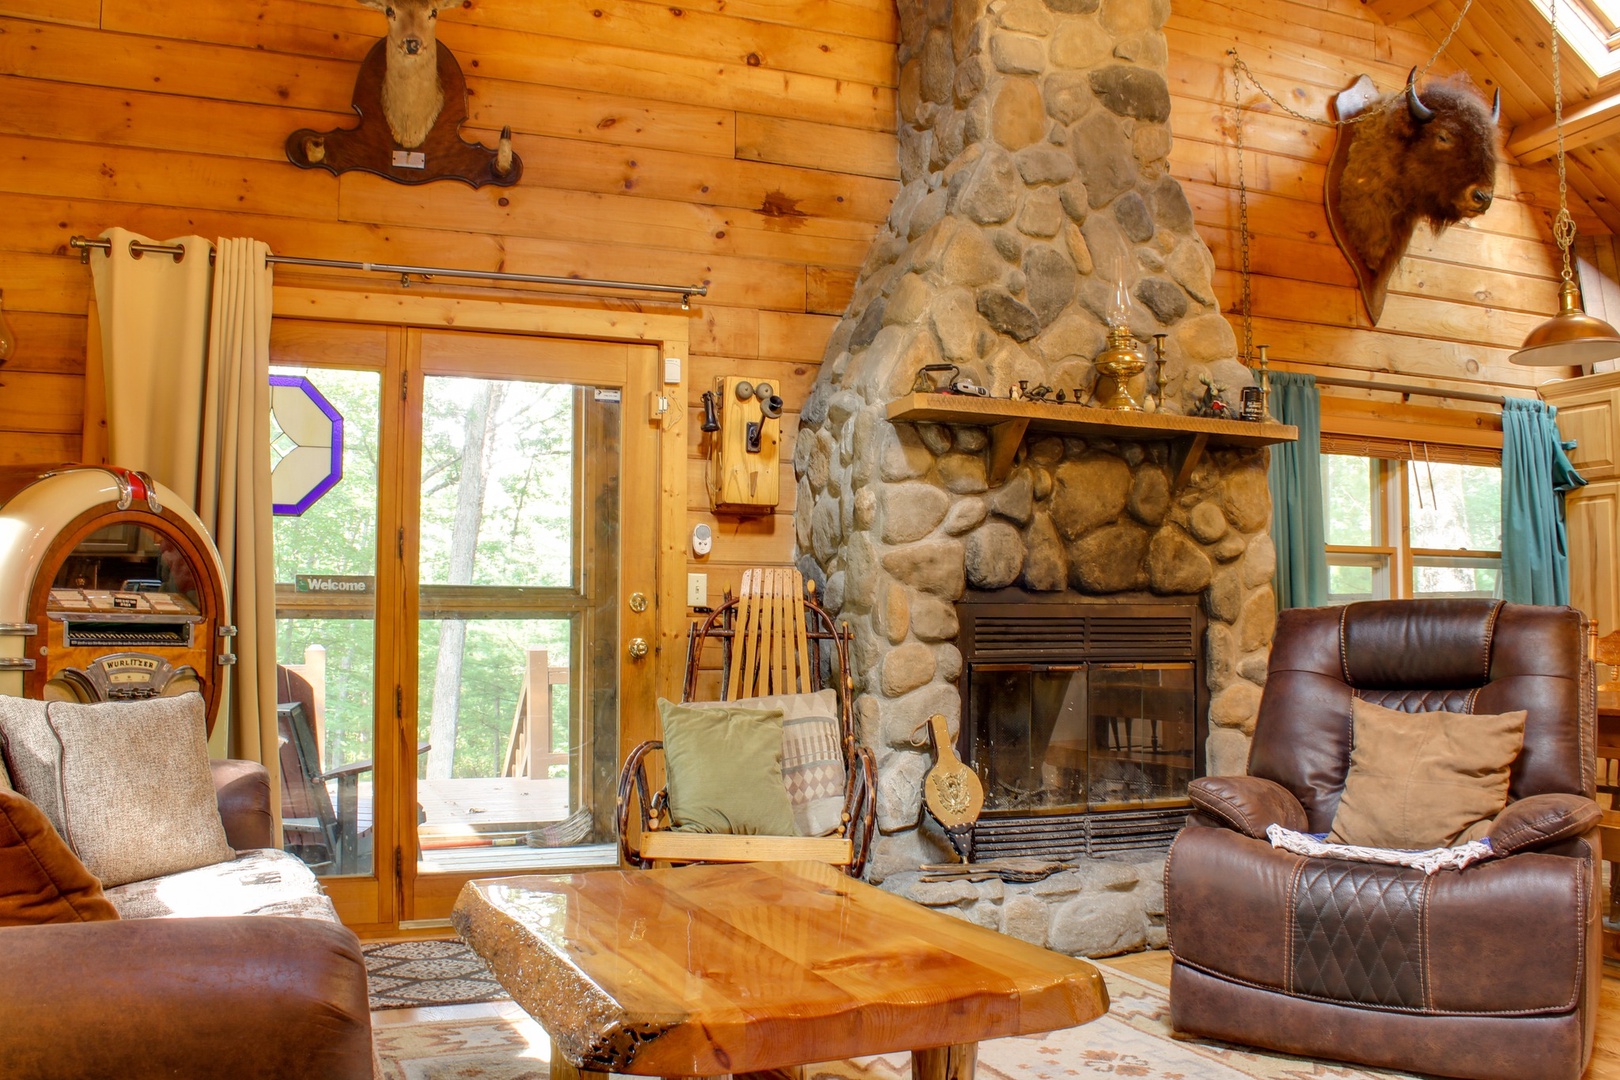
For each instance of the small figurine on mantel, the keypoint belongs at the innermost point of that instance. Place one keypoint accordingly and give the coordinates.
(1210, 403)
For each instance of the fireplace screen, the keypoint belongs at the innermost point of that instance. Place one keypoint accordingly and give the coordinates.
(1078, 737)
(1083, 720)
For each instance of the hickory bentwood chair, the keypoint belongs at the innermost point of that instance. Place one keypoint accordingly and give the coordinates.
(771, 639)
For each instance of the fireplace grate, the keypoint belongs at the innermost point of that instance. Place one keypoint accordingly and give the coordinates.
(1072, 836)
(1031, 635)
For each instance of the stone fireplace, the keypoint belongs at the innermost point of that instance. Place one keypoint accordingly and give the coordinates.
(1034, 140)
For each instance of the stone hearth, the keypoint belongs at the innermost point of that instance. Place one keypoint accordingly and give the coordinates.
(1033, 143)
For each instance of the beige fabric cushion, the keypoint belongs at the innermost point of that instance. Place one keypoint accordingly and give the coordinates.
(263, 881)
(812, 757)
(138, 797)
(723, 765)
(1424, 780)
(32, 756)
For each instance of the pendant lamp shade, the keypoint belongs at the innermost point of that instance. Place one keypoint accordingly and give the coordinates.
(1572, 338)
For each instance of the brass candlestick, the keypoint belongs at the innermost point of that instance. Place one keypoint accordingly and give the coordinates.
(1265, 384)
(1158, 369)
(1116, 365)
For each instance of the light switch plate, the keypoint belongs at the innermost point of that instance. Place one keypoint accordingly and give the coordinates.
(697, 590)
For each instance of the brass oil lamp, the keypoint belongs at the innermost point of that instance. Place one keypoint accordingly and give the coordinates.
(1121, 360)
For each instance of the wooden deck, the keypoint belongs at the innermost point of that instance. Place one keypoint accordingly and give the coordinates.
(473, 809)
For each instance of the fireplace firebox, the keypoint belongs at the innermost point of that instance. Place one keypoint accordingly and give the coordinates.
(1084, 720)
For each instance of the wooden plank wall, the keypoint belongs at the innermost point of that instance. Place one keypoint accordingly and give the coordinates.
(744, 143)
(1459, 303)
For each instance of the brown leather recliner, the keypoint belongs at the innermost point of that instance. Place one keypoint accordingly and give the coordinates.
(1490, 972)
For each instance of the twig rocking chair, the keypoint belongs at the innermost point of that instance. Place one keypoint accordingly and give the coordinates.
(771, 640)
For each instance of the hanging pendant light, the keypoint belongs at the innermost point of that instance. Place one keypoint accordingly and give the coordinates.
(1572, 338)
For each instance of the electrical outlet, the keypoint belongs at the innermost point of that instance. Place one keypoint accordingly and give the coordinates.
(697, 590)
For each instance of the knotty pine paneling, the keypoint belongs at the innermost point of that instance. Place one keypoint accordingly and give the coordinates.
(745, 144)
(1460, 302)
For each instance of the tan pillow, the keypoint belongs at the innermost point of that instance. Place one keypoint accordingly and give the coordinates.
(137, 793)
(41, 881)
(1424, 780)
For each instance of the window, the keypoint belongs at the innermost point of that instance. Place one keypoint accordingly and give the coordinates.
(1592, 29)
(1422, 521)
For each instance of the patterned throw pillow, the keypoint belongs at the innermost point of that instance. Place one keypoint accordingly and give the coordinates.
(812, 757)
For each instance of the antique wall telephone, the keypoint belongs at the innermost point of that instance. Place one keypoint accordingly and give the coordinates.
(743, 420)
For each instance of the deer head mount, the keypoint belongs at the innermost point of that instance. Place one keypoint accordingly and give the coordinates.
(1428, 156)
(412, 100)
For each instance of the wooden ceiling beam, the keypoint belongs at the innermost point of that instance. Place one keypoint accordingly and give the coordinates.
(1536, 140)
(1598, 193)
(1393, 11)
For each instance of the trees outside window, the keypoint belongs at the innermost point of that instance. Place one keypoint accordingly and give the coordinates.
(1411, 526)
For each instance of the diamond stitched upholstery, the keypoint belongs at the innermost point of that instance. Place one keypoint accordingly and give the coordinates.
(1414, 701)
(1358, 934)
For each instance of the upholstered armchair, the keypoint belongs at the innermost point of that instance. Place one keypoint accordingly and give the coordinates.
(1489, 972)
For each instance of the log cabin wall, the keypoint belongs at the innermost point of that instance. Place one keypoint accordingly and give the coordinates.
(748, 144)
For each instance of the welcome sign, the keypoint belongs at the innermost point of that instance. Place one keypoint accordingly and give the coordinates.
(335, 583)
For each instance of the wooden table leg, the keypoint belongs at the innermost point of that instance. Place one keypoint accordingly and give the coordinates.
(563, 1069)
(945, 1062)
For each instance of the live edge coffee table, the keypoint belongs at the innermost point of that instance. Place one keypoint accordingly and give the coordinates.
(758, 968)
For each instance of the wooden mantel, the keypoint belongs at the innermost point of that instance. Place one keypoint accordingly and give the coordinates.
(1007, 421)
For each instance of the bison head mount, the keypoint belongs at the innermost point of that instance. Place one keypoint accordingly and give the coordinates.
(1409, 156)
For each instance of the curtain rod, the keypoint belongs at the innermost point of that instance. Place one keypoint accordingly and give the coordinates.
(1410, 388)
(686, 292)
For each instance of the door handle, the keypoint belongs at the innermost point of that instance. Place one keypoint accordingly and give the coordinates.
(638, 648)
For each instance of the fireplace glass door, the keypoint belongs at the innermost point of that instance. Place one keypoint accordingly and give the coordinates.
(1070, 738)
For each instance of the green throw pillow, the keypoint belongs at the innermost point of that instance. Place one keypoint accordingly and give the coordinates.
(724, 768)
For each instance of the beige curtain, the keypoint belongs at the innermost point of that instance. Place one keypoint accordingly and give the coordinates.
(233, 490)
(185, 356)
(153, 312)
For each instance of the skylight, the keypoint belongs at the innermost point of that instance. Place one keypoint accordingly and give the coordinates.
(1591, 29)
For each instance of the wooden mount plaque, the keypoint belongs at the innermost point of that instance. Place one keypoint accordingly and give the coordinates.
(371, 148)
(1374, 283)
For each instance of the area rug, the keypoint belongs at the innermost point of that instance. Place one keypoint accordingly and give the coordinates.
(407, 974)
(1132, 1040)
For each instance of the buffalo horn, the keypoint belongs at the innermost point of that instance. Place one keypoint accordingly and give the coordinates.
(1420, 112)
(1496, 106)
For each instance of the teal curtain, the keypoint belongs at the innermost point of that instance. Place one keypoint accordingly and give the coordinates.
(1298, 525)
(1535, 474)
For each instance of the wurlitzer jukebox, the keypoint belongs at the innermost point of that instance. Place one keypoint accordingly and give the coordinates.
(110, 590)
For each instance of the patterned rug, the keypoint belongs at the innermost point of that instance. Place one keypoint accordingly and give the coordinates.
(1132, 1040)
(406, 974)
